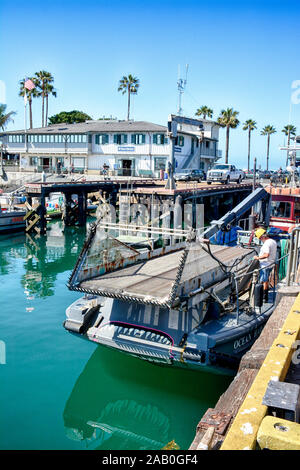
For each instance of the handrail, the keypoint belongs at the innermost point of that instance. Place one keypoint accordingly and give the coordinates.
(291, 269)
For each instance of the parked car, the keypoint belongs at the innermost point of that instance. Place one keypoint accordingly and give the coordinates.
(190, 175)
(225, 173)
(265, 174)
(248, 174)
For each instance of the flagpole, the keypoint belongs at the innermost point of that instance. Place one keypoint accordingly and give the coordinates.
(25, 123)
(28, 85)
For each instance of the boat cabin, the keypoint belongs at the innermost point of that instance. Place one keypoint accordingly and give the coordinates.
(285, 208)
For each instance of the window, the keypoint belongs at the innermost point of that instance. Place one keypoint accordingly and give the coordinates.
(34, 161)
(207, 144)
(16, 138)
(138, 139)
(159, 163)
(101, 139)
(160, 139)
(179, 141)
(120, 139)
(297, 210)
(281, 209)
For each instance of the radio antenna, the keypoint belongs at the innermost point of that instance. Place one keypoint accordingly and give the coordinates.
(181, 84)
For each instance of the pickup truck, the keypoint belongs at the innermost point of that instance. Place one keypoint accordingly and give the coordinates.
(225, 173)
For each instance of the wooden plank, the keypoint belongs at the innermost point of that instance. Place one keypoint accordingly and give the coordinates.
(234, 396)
(228, 403)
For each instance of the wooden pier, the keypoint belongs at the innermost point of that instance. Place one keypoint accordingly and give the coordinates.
(241, 404)
(219, 198)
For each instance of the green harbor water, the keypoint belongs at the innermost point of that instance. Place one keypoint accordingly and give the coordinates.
(58, 391)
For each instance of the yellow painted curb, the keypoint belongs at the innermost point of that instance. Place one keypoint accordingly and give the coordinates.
(278, 434)
(243, 431)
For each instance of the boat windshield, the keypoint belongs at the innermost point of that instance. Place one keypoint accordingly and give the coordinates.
(281, 209)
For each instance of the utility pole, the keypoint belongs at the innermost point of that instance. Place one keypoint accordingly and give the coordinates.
(172, 134)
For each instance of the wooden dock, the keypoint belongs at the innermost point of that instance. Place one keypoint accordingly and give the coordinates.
(220, 418)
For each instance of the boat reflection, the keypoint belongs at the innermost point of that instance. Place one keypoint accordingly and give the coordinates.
(119, 402)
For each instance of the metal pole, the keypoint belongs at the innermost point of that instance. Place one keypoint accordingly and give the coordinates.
(171, 182)
(290, 260)
(295, 257)
(252, 222)
(254, 174)
(293, 251)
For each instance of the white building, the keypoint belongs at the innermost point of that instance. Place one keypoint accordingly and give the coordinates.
(136, 148)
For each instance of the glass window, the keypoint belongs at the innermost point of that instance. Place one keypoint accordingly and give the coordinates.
(120, 138)
(220, 167)
(179, 141)
(160, 139)
(34, 161)
(101, 139)
(297, 210)
(281, 209)
(160, 163)
(138, 139)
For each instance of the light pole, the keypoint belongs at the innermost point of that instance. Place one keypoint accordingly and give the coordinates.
(172, 134)
(1, 167)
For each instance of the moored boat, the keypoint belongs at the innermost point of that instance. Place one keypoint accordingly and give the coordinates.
(188, 304)
(11, 220)
(285, 207)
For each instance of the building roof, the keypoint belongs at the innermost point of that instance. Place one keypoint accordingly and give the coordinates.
(109, 125)
(95, 126)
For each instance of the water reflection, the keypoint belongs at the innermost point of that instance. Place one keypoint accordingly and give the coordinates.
(49, 255)
(9, 248)
(44, 257)
(119, 402)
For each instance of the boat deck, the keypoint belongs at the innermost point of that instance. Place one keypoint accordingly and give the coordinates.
(155, 277)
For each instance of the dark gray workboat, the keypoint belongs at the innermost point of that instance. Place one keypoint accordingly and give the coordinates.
(12, 221)
(189, 304)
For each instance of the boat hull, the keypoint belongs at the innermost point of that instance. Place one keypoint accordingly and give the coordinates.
(216, 346)
(12, 222)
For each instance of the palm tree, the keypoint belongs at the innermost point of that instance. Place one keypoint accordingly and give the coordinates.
(30, 94)
(228, 119)
(129, 85)
(5, 117)
(43, 80)
(204, 111)
(268, 130)
(288, 130)
(49, 91)
(249, 126)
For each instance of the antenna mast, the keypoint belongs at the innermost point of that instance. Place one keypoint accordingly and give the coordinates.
(181, 83)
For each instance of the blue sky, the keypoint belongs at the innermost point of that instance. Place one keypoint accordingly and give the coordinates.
(239, 55)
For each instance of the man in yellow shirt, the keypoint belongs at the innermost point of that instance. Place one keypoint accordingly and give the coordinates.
(267, 258)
